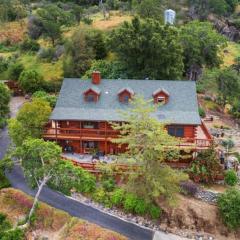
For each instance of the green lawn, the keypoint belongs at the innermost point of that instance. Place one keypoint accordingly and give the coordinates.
(50, 71)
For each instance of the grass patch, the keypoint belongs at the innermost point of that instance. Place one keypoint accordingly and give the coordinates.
(230, 53)
(50, 71)
(210, 105)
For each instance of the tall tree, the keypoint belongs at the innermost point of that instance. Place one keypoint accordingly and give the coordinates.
(201, 44)
(148, 50)
(228, 85)
(30, 121)
(78, 56)
(148, 147)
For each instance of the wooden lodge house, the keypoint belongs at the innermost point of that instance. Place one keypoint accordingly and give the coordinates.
(80, 122)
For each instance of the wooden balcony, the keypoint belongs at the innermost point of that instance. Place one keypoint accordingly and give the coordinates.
(79, 134)
(107, 135)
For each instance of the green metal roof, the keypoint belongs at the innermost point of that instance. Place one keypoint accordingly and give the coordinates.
(182, 107)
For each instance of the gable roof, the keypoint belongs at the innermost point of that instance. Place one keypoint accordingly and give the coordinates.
(160, 90)
(182, 107)
(128, 89)
(94, 89)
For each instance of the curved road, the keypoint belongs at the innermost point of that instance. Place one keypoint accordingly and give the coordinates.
(75, 208)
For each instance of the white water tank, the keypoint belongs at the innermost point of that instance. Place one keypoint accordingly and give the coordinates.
(169, 16)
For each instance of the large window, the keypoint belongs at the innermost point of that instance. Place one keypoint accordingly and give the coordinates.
(90, 125)
(176, 131)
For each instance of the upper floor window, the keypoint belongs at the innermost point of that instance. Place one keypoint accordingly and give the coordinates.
(176, 131)
(90, 124)
(92, 94)
(161, 99)
(125, 94)
(160, 96)
(90, 98)
(126, 98)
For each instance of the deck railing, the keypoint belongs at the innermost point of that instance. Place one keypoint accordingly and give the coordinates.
(78, 134)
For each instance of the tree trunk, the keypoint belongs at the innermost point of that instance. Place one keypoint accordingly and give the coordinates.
(36, 199)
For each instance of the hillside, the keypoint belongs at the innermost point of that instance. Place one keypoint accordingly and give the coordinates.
(49, 223)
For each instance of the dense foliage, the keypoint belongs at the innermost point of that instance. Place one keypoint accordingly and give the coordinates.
(29, 121)
(206, 167)
(4, 101)
(231, 178)
(229, 208)
(147, 140)
(148, 49)
(7, 232)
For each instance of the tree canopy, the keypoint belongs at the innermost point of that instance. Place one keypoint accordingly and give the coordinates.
(148, 49)
(201, 44)
(148, 147)
(29, 121)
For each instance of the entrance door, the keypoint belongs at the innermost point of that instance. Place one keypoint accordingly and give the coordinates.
(90, 147)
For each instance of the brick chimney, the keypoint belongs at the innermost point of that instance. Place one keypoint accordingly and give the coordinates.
(96, 77)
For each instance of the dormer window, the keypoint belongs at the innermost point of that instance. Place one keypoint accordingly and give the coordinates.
(92, 94)
(90, 98)
(160, 96)
(125, 94)
(161, 99)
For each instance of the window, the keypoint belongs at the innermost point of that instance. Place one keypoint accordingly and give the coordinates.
(90, 125)
(177, 131)
(90, 98)
(125, 98)
(161, 99)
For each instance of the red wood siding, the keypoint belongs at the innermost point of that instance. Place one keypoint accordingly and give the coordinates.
(189, 131)
(123, 94)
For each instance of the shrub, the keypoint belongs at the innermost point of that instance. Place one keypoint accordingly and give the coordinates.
(4, 62)
(4, 183)
(200, 88)
(46, 54)
(231, 178)
(15, 71)
(31, 81)
(44, 96)
(202, 112)
(228, 143)
(16, 234)
(189, 188)
(229, 208)
(140, 207)
(87, 21)
(109, 185)
(100, 196)
(154, 211)
(130, 202)
(117, 197)
(29, 45)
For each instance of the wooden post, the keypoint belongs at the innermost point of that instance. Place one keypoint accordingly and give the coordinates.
(56, 130)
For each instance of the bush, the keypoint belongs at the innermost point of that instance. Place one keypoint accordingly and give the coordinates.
(4, 62)
(189, 188)
(15, 71)
(29, 45)
(100, 196)
(130, 202)
(46, 97)
(154, 211)
(228, 143)
(87, 21)
(231, 178)
(140, 207)
(202, 112)
(46, 54)
(4, 183)
(200, 88)
(31, 81)
(109, 185)
(229, 208)
(117, 197)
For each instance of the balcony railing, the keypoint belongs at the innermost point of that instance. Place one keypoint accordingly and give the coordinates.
(52, 133)
(78, 134)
